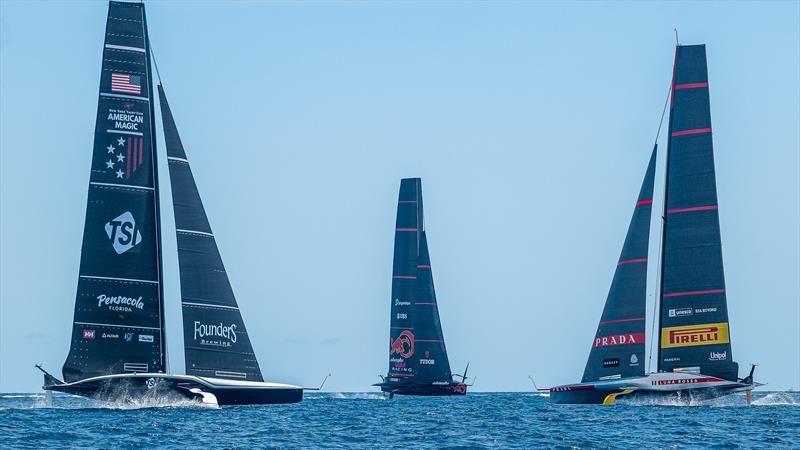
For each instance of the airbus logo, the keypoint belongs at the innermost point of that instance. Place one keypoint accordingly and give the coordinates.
(123, 233)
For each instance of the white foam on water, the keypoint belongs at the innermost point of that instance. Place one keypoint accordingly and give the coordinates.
(359, 395)
(778, 399)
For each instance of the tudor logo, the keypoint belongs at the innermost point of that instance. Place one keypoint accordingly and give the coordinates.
(686, 336)
(123, 233)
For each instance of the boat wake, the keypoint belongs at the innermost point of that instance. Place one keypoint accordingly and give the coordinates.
(64, 401)
(729, 401)
(358, 396)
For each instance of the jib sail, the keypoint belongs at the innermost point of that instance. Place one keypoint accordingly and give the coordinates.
(215, 338)
(118, 322)
(693, 312)
(417, 346)
(619, 344)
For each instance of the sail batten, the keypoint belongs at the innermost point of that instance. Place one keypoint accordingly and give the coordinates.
(693, 315)
(619, 344)
(216, 342)
(119, 289)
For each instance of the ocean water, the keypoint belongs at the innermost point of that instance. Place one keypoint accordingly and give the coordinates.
(368, 420)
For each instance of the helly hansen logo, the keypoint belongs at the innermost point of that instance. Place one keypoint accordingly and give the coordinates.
(686, 336)
(123, 233)
(619, 339)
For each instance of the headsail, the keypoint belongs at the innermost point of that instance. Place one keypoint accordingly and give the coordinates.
(693, 312)
(416, 341)
(619, 344)
(118, 324)
(215, 338)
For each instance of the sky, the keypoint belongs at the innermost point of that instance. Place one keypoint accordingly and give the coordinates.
(530, 124)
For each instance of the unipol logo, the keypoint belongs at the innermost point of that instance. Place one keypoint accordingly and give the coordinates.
(123, 233)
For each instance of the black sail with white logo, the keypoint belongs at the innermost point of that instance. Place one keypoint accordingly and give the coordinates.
(215, 338)
(619, 344)
(118, 322)
(694, 314)
(417, 350)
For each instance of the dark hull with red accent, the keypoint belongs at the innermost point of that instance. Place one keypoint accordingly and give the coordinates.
(436, 389)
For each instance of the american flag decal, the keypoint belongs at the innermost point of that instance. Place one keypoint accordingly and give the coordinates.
(126, 83)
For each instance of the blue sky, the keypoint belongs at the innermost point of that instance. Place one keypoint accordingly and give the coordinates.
(530, 124)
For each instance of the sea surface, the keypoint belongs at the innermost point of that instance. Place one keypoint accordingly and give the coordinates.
(368, 420)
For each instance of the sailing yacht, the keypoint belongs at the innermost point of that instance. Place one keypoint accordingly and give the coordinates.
(418, 363)
(695, 360)
(118, 334)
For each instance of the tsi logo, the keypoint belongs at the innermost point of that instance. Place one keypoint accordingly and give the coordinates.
(123, 233)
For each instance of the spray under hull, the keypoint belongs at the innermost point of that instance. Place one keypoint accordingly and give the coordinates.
(159, 387)
(438, 389)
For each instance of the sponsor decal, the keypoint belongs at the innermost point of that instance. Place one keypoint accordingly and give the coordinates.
(219, 335)
(120, 303)
(427, 359)
(402, 316)
(151, 383)
(680, 312)
(685, 381)
(145, 338)
(397, 302)
(619, 339)
(634, 360)
(123, 233)
(718, 356)
(403, 345)
(704, 310)
(610, 362)
(128, 337)
(88, 334)
(691, 335)
(673, 359)
(109, 336)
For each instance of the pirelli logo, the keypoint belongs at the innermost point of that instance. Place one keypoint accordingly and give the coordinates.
(703, 334)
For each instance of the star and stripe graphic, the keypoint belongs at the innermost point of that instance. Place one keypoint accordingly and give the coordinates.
(126, 156)
(126, 83)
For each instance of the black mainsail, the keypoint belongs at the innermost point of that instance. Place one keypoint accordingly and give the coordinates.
(618, 349)
(417, 348)
(215, 338)
(693, 311)
(118, 325)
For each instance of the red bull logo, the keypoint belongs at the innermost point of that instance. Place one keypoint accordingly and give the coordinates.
(403, 345)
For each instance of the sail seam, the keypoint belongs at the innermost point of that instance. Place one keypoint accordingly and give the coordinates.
(124, 47)
(175, 158)
(115, 325)
(132, 97)
(209, 305)
(179, 230)
(131, 280)
(146, 188)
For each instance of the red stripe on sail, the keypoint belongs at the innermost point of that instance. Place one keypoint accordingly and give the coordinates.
(635, 319)
(632, 261)
(135, 162)
(691, 86)
(128, 161)
(695, 131)
(405, 230)
(141, 144)
(407, 201)
(644, 202)
(405, 277)
(423, 266)
(708, 291)
(695, 208)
